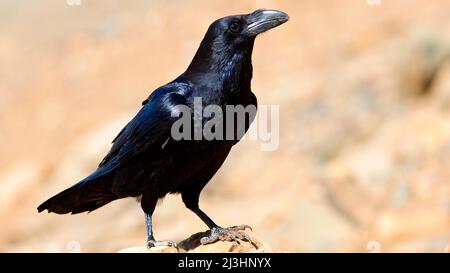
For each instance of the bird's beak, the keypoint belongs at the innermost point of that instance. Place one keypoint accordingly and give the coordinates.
(263, 20)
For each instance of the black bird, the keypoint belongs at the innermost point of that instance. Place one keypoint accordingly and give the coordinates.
(146, 161)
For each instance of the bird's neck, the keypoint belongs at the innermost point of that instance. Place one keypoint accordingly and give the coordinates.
(232, 68)
(235, 72)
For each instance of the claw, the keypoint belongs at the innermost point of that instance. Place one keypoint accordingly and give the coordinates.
(242, 227)
(154, 243)
(229, 234)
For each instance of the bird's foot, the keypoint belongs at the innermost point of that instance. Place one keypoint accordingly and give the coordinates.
(167, 243)
(229, 234)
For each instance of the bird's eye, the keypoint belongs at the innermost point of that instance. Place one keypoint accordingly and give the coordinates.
(234, 27)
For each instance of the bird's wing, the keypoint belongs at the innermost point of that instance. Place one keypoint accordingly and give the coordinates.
(149, 129)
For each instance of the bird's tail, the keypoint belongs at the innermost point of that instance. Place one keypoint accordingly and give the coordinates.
(86, 195)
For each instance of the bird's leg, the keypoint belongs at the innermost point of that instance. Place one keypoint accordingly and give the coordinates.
(205, 218)
(148, 225)
(148, 204)
(218, 233)
(151, 241)
(190, 199)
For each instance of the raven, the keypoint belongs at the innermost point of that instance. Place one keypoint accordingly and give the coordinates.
(145, 160)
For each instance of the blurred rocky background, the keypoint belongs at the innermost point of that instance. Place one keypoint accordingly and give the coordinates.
(363, 87)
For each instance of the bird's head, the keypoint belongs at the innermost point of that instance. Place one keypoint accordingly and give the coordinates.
(232, 37)
(240, 29)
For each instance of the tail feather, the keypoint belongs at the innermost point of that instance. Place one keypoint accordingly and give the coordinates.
(90, 206)
(84, 196)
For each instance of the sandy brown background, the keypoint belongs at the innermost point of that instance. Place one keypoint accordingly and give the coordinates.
(364, 93)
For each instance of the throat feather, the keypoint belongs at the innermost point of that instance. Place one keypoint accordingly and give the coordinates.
(236, 72)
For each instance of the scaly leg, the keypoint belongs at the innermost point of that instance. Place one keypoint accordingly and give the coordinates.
(148, 204)
(217, 233)
(151, 241)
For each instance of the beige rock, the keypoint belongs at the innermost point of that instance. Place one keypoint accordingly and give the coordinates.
(192, 245)
(144, 249)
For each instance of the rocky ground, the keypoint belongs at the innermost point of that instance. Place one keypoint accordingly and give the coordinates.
(364, 95)
(193, 245)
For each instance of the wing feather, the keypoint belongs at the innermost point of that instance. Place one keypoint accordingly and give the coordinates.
(149, 129)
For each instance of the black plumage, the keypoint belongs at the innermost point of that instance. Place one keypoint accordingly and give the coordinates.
(144, 159)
